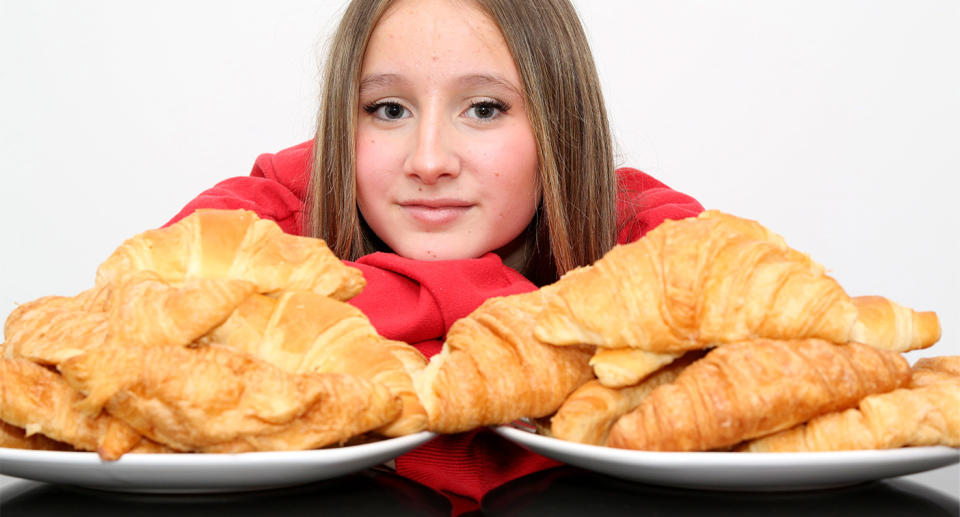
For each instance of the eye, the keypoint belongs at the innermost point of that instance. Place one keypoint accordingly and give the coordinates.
(386, 110)
(486, 109)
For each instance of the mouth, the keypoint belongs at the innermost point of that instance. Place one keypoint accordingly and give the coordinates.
(435, 211)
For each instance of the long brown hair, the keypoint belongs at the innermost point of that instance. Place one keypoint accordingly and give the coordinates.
(576, 221)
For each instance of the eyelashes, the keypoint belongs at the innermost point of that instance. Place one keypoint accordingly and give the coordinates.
(386, 110)
(488, 109)
(481, 110)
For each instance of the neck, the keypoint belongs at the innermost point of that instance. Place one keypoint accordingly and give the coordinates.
(515, 253)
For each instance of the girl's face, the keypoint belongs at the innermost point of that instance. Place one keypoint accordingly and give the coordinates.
(446, 157)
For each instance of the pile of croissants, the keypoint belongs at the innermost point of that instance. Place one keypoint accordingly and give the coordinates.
(220, 333)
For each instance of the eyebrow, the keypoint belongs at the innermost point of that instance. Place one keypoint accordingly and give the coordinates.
(470, 80)
(380, 80)
(474, 80)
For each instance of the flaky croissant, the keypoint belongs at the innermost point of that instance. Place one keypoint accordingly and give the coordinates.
(148, 311)
(883, 323)
(693, 283)
(620, 367)
(492, 370)
(13, 437)
(229, 401)
(588, 413)
(930, 370)
(880, 322)
(52, 328)
(303, 332)
(749, 389)
(141, 310)
(40, 401)
(928, 414)
(235, 244)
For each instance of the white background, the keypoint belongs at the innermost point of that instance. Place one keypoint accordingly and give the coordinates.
(834, 123)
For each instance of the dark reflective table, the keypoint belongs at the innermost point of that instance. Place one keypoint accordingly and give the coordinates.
(571, 491)
(556, 492)
(372, 492)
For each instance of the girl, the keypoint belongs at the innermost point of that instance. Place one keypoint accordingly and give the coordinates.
(462, 152)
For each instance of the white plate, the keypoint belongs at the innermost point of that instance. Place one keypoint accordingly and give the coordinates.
(761, 471)
(198, 473)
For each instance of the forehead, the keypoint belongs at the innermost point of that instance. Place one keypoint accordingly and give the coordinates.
(428, 33)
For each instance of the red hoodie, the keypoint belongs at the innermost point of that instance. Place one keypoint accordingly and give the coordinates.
(424, 298)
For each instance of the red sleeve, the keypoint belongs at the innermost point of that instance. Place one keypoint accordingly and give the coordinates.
(275, 189)
(644, 202)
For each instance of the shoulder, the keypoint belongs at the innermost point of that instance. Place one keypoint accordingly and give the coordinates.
(274, 189)
(289, 167)
(643, 202)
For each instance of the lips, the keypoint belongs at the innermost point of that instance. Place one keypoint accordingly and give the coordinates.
(435, 211)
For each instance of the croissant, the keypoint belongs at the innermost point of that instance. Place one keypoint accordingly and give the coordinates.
(230, 401)
(45, 330)
(151, 312)
(880, 322)
(619, 367)
(745, 390)
(919, 416)
(883, 323)
(234, 244)
(50, 329)
(929, 370)
(13, 437)
(40, 401)
(141, 310)
(693, 283)
(304, 332)
(588, 413)
(491, 370)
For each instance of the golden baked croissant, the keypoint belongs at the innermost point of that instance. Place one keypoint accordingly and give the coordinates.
(929, 370)
(50, 329)
(880, 322)
(749, 389)
(694, 283)
(883, 323)
(141, 310)
(40, 401)
(235, 244)
(916, 416)
(13, 437)
(149, 312)
(229, 401)
(619, 367)
(588, 413)
(304, 332)
(492, 370)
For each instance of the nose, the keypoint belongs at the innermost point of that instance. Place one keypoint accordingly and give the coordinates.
(433, 153)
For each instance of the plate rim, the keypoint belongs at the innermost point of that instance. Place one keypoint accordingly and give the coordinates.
(181, 473)
(211, 459)
(723, 458)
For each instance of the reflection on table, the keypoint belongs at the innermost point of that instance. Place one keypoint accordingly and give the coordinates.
(571, 491)
(372, 492)
(556, 492)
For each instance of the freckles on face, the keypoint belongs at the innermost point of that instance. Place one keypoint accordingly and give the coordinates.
(446, 157)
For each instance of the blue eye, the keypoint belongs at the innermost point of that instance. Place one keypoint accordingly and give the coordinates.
(386, 110)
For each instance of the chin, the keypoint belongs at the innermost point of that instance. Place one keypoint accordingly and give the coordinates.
(437, 253)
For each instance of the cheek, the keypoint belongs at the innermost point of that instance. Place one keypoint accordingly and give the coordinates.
(514, 168)
(373, 159)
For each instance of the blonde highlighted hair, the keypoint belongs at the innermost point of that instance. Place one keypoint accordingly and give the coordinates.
(576, 221)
